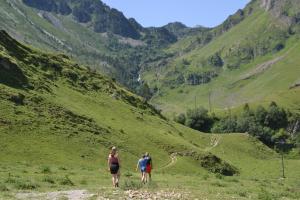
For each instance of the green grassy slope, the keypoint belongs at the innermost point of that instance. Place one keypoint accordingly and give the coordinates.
(58, 113)
(58, 121)
(28, 25)
(118, 56)
(231, 90)
(111, 54)
(262, 79)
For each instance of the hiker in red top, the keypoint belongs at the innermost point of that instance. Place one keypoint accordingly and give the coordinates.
(149, 165)
(113, 162)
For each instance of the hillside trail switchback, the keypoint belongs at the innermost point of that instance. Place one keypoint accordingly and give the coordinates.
(173, 161)
(214, 142)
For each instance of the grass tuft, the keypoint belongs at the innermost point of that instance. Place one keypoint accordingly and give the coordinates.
(66, 181)
(46, 170)
(131, 185)
(49, 179)
(3, 188)
(26, 185)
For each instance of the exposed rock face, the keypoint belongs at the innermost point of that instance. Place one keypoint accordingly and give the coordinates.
(267, 4)
(60, 7)
(102, 18)
(11, 74)
(287, 11)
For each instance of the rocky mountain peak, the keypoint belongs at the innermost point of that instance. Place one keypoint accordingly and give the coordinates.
(101, 17)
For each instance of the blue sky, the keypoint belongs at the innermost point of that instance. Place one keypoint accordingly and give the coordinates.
(207, 13)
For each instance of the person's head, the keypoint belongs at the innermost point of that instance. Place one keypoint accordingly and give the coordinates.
(147, 154)
(113, 151)
(143, 156)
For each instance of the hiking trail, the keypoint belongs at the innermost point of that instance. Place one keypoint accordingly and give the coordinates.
(70, 195)
(214, 142)
(116, 194)
(173, 161)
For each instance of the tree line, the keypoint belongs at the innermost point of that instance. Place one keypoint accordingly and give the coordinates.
(273, 125)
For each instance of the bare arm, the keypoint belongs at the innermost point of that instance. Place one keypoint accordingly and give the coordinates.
(108, 163)
(137, 166)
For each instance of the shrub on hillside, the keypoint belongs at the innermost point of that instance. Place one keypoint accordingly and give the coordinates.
(268, 125)
(215, 60)
(66, 181)
(215, 165)
(25, 185)
(199, 78)
(199, 119)
(276, 117)
(180, 119)
(3, 188)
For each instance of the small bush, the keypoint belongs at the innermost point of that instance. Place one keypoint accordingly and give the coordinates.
(128, 174)
(242, 193)
(181, 119)
(26, 185)
(215, 165)
(265, 195)
(218, 184)
(10, 180)
(219, 176)
(49, 179)
(46, 170)
(3, 188)
(205, 177)
(132, 185)
(18, 99)
(62, 168)
(66, 181)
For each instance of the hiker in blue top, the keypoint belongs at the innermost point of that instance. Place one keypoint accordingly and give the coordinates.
(142, 164)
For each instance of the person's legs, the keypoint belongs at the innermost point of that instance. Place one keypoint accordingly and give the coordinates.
(142, 176)
(145, 177)
(118, 175)
(114, 177)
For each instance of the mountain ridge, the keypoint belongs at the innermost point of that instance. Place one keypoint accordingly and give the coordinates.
(256, 35)
(60, 117)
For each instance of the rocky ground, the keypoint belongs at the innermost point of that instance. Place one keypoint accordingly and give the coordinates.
(122, 195)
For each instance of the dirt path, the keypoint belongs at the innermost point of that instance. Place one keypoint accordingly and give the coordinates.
(259, 69)
(173, 161)
(262, 68)
(161, 194)
(119, 194)
(214, 142)
(70, 195)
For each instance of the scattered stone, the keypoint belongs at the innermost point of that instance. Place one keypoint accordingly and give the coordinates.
(147, 195)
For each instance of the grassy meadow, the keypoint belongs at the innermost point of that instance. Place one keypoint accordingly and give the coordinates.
(58, 121)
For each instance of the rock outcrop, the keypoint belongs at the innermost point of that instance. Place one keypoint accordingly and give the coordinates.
(267, 4)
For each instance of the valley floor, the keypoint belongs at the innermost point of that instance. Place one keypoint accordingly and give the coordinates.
(171, 187)
(259, 178)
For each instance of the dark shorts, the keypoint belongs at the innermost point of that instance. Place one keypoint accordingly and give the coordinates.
(114, 168)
